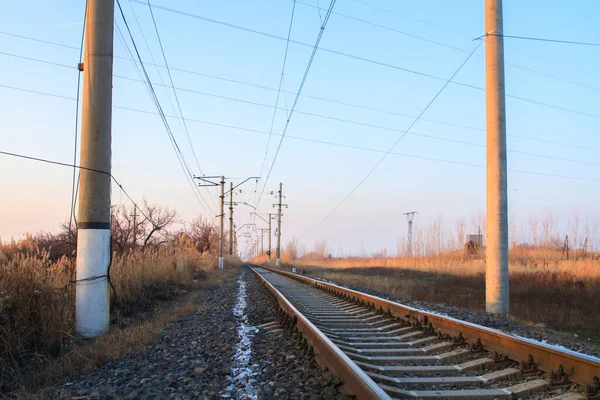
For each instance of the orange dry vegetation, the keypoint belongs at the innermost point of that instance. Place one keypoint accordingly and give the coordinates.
(37, 299)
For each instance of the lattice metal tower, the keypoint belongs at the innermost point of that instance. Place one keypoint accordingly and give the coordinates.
(410, 216)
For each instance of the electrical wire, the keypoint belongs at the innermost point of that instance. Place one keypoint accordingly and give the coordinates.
(358, 58)
(397, 141)
(173, 86)
(76, 131)
(182, 120)
(553, 106)
(79, 167)
(391, 29)
(152, 58)
(377, 7)
(287, 45)
(291, 113)
(388, 28)
(537, 39)
(181, 158)
(343, 145)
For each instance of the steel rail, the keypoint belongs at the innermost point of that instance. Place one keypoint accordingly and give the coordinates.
(327, 353)
(580, 368)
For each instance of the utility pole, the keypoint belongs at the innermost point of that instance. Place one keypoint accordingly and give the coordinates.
(566, 248)
(235, 248)
(269, 241)
(92, 302)
(230, 218)
(221, 217)
(410, 216)
(278, 233)
(262, 238)
(496, 253)
(207, 181)
(133, 242)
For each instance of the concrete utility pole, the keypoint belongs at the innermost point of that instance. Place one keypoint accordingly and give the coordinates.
(230, 218)
(262, 238)
(278, 250)
(92, 302)
(496, 252)
(221, 218)
(410, 216)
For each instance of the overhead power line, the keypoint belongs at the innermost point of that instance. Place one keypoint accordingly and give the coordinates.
(537, 39)
(63, 164)
(397, 141)
(438, 43)
(173, 86)
(212, 123)
(540, 103)
(154, 97)
(154, 64)
(356, 57)
(563, 144)
(183, 121)
(287, 45)
(387, 10)
(342, 145)
(75, 177)
(291, 113)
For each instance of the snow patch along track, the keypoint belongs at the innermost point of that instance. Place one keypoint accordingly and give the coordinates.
(242, 381)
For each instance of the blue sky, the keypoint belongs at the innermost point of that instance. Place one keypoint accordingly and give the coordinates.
(439, 172)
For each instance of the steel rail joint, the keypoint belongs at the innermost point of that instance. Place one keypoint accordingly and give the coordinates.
(580, 368)
(327, 353)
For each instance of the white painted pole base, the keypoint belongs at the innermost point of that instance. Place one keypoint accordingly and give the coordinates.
(278, 262)
(221, 262)
(92, 304)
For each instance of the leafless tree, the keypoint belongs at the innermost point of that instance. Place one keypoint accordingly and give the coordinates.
(147, 227)
(321, 247)
(203, 234)
(291, 249)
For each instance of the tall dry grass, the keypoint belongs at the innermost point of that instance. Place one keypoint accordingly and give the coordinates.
(37, 298)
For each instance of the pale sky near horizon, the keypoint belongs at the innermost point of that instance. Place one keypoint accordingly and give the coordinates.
(552, 96)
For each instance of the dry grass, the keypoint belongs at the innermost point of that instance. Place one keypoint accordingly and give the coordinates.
(85, 356)
(456, 264)
(37, 308)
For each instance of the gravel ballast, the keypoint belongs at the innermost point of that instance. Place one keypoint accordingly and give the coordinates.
(284, 368)
(217, 352)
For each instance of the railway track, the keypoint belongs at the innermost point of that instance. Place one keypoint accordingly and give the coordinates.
(385, 350)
